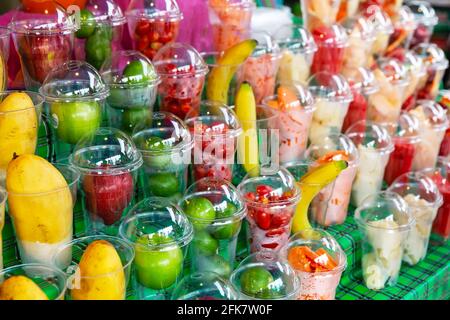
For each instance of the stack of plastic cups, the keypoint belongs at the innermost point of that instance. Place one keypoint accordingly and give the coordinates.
(4, 53)
(165, 144)
(383, 30)
(204, 286)
(216, 210)
(160, 234)
(444, 100)
(374, 147)
(75, 95)
(271, 196)
(261, 68)
(152, 24)
(318, 261)
(317, 14)
(132, 82)
(433, 123)
(436, 64)
(405, 135)
(100, 33)
(417, 78)
(108, 161)
(404, 26)
(215, 130)
(386, 104)
(424, 199)
(38, 238)
(426, 19)
(332, 95)
(295, 105)
(3, 196)
(49, 283)
(230, 22)
(97, 267)
(43, 43)
(384, 220)
(297, 48)
(264, 276)
(182, 71)
(330, 206)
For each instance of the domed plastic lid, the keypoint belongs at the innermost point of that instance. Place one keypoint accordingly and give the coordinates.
(295, 38)
(266, 45)
(407, 128)
(423, 12)
(287, 91)
(164, 133)
(440, 174)
(129, 69)
(74, 80)
(53, 20)
(158, 10)
(415, 186)
(275, 279)
(363, 80)
(333, 147)
(384, 210)
(443, 99)
(204, 286)
(332, 87)
(105, 12)
(405, 19)
(432, 55)
(176, 60)
(106, 151)
(374, 136)
(232, 3)
(322, 252)
(381, 21)
(360, 28)
(332, 36)
(432, 113)
(414, 64)
(156, 223)
(394, 71)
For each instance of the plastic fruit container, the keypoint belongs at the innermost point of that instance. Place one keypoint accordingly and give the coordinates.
(100, 32)
(271, 196)
(424, 199)
(426, 19)
(444, 100)
(4, 54)
(98, 267)
(384, 220)
(322, 13)
(417, 75)
(160, 234)
(165, 144)
(108, 161)
(182, 71)
(43, 42)
(383, 29)
(318, 261)
(215, 129)
(263, 276)
(404, 26)
(133, 84)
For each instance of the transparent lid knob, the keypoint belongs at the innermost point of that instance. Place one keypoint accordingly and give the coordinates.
(332, 87)
(432, 55)
(266, 45)
(380, 20)
(431, 113)
(363, 80)
(104, 12)
(374, 136)
(360, 28)
(295, 38)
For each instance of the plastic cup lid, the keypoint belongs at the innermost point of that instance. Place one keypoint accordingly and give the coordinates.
(304, 100)
(443, 99)
(295, 38)
(363, 80)
(381, 21)
(105, 12)
(432, 55)
(266, 45)
(405, 19)
(374, 136)
(332, 87)
(361, 28)
(432, 113)
(330, 36)
(331, 148)
(158, 10)
(423, 12)
(407, 128)
(414, 64)
(394, 71)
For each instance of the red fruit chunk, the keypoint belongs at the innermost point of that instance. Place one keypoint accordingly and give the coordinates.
(263, 219)
(400, 161)
(263, 190)
(327, 58)
(356, 110)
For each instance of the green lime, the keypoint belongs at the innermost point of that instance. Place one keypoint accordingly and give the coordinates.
(204, 244)
(87, 24)
(255, 281)
(201, 211)
(163, 184)
(160, 155)
(231, 228)
(98, 48)
(138, 72)
(132, 116)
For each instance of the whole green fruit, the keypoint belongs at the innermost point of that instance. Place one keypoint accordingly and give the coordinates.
(200, 211)
(204, 244)
(98, 47)
(163, 184)
(131, 117)
(87, 24)
(160, 156)
(229, 230)
(138, 72)
(255, 281)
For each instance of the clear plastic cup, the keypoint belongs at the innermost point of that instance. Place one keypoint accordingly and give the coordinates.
(215, 129)
(330, 206)
(108, 161)
(348, 9)
(182, 71)
(49, 280)
(444, 100)
(230, 22)
(424, 199)
(384, 220)
(295, 106)
(43, 41)
(43, 222)
(133, 83)
(165, 144)
(417, 77)
(160, 234)
(426, 19)
(404, 26)
(261, 68)
(264, 276)
(383, 29)
(19, 127)
(332, 95)
(75, 96)
(318, 261)
(332, 42)
(319, 13)
(433, 123)
(386, 104)
(100, 33)
(406, 136)
(3, 197)
(436, 64)
(98, 267)
(271, 196)
(363, 86)
(204, 286)
(297, 48)
(4, 54)
(153, 24)
(374, 147)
